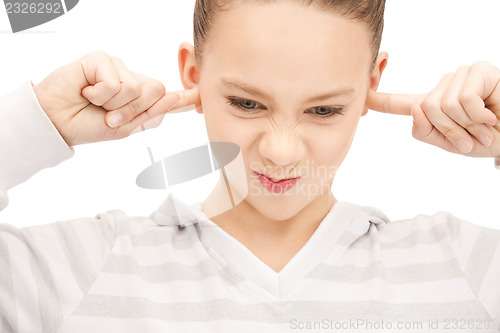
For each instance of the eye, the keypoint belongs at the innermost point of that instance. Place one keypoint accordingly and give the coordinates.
(243, 104)
(321, 112)
(325, 112)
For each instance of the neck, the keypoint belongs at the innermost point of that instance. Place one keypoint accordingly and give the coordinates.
(274, 242)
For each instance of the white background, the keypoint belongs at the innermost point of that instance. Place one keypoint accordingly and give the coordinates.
(385, 168)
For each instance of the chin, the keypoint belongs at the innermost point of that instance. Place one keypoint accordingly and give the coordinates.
(277, 208)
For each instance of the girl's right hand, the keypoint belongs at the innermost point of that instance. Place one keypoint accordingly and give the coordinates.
(96, 98)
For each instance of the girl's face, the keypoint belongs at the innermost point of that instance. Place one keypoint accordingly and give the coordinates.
(288, 85)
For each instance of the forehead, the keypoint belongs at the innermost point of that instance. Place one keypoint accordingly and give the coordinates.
(289, 41)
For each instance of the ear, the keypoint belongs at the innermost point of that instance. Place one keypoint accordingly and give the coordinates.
(188, 70)
(375, 77)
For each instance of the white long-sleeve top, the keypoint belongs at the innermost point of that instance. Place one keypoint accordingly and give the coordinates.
(359, 271)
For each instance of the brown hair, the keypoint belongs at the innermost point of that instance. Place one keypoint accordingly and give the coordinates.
(370, 12)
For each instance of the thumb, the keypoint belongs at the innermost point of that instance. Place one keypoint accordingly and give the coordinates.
(422, 127)
(392, 103)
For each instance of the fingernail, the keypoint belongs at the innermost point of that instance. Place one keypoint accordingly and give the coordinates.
(464, 145)
(492, 122)
(485, 140)
(115, 120)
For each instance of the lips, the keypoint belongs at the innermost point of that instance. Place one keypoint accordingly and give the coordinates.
(274, 180)
(276, 187)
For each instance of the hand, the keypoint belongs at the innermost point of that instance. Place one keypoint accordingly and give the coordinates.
(460, 115)
(86, 99)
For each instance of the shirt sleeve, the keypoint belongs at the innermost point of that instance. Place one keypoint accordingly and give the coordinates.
(478, 250)
(29, 142)
(46, 270)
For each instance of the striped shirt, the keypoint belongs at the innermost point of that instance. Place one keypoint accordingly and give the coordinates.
(177, 271)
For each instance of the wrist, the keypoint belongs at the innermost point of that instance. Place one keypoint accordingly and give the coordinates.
(41, 95)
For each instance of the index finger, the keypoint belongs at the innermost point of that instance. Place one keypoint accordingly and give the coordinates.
(392, 103)
(173, 102)
(170, 102)
(189, 99)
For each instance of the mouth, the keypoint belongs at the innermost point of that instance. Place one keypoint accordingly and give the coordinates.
(276, 186)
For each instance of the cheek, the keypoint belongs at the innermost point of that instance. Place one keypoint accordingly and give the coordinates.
(224, 126)
(216, 121)
(329, 145)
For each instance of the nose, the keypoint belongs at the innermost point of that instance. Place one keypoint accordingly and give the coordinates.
(283, 149)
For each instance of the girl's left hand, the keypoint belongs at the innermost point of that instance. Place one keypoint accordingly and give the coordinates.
(460, 115)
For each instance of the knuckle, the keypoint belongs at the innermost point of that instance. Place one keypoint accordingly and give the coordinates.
(428, 104)
(99, 54)
(113, 86)
(472, 127)
(133, 109)
(449, 76)
(466, 97)
(158, 87)
(481, 64)
(448, 131)
(116, 59)
(137, 88)
(449, 104)
(134, 88)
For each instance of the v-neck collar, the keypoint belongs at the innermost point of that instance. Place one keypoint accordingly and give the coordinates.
(225, 249)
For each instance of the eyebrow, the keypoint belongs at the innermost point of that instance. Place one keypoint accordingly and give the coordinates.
(233, 83)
